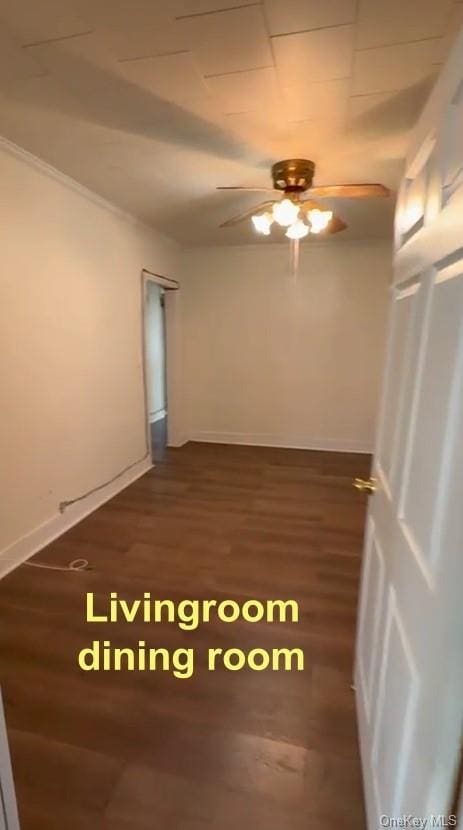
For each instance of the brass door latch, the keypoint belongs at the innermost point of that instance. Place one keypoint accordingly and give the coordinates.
(368, 485)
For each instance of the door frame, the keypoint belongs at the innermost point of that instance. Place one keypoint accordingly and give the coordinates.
(8, 808)
(173, 356)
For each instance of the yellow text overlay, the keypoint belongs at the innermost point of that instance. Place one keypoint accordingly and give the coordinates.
(188, 615)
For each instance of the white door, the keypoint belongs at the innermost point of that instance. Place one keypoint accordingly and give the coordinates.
(8, 812)
(409, 661)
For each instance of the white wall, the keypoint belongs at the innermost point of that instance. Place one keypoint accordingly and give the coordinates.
(72, 395)
(155, 350)
(274, 360)
(266, 359)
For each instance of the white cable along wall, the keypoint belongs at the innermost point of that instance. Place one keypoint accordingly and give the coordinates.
(71, 361)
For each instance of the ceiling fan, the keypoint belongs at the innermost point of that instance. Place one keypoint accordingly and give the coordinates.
(301, 216)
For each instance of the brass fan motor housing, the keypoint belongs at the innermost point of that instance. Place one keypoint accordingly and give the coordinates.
(293, 175)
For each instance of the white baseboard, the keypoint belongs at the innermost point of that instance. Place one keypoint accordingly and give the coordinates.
(297, 442)
(178, 440)
(157, 416)
(45, 533)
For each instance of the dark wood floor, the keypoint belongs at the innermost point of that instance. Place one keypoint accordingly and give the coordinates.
(146, 751)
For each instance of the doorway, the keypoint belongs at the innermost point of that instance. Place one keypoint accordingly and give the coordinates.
(156, 374)
(161, 350)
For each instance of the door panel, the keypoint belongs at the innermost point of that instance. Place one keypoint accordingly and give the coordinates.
(453, 166)
(409, 365)
(409, 663)
(371, 611)
(8, 811)
(2, 813)
(397, 706)
(420, 499)
(406, 304)
(401, 321)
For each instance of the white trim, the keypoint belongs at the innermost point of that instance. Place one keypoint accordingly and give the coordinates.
(179, 440)
(368, 773)
(8, 807)
(158, 415)
(173, 355)
(53, 173)
(299, 442)
(45, 533)
(165, 282)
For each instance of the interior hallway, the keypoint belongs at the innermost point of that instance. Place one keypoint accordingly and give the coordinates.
(248, 750)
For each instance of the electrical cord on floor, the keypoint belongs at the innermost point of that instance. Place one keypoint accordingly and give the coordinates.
(75, 565)
(83, 564)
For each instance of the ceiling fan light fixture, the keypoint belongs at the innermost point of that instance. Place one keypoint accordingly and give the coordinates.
(262, 223)
(319, 219)
(285, 213)
(297, 230)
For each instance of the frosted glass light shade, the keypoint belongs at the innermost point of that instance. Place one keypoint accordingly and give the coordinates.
(285, 212)
(297, 230)
(262, 223)
(319, 219)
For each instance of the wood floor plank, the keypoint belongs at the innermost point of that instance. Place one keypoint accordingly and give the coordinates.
(255, 750)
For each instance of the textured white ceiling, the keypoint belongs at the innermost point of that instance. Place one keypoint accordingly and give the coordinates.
(153, 103)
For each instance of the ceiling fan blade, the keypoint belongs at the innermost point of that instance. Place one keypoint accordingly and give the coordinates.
(351, 191)
(250, 189)
(311, 204)
(248, 213)
(336, 225)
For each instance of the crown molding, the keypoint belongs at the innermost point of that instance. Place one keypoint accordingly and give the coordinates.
(72, 184)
